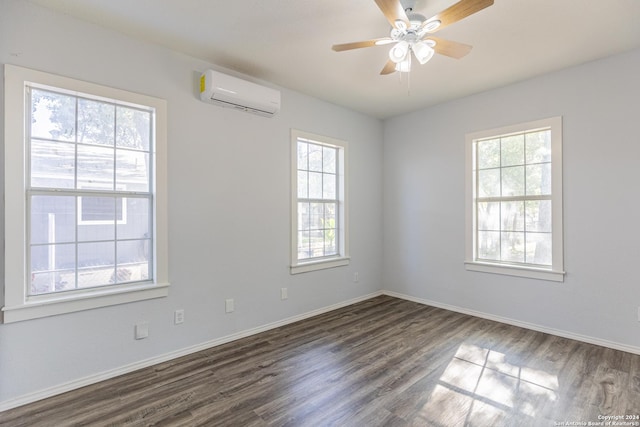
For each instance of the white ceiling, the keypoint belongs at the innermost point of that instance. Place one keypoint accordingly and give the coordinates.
(288, 42)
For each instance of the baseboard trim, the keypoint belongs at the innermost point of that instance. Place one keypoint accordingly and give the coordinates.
(105, 375)
(526, 325)
(92, 379)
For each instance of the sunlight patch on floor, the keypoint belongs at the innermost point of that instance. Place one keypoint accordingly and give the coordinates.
(480, 386)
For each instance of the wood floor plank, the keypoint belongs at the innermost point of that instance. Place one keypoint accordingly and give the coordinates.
(633, 401)
(381, 362)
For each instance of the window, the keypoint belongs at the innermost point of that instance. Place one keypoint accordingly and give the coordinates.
(89, 216)
(319, 220)
(514, 200)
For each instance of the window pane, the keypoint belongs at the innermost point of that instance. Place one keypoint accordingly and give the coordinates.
(538, 147)
(133, 261)
(303, 215)
(303, 184)
(54, 281)
(489, 154)
(53, 219)
(513, 181)
(315, 158)
(303, 155)
(53, 115)
(329, 225)
(133, 128)
(132, 171)
(489, 245)
(329, 159)
(304, 251)
(539, 215)
(489, 216)
(317, 216)
(52, 164)
(95, 167)
(489, 183)
(315, 185)
(97, 218)
(512, 247)
(316, 243)
(329, 215)
(330, 244)
(52, 268)
(52, 257)
(134, 222)
(512, 150)
(96, 264)
(539, 179)
(512, 214)
(539, 248)
(329, 186)
(96, 122)
(103, 209)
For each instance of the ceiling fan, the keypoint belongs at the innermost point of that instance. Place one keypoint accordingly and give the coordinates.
(411, 33)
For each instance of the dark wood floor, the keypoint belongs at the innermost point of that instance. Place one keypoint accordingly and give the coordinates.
(382, 362)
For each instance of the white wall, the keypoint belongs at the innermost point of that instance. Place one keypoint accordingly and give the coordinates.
(229, 209)
(424, 202)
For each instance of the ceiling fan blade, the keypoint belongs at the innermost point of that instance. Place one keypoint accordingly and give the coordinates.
(450, 48)
(358, 45)
(458, 11)
(393, 11)
(389, 68)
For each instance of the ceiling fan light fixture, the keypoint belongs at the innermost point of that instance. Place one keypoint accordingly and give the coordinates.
(404, 66)
(399, 51)
(400, 24)
(431, 25)
(423, 52)
(396, 34)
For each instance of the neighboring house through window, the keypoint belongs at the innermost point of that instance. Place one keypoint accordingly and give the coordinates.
(92, 206)
(514, 200)
(319, 211)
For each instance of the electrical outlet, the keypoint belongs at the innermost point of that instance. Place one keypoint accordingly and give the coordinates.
(229, 305)
(178, 317)
(142, 330)
(356, 277)
(284, 293)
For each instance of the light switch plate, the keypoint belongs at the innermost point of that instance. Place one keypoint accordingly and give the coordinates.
(178, 317)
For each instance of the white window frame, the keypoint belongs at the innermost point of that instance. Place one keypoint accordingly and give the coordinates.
(556, 271)
(342, 257)
(18, 306)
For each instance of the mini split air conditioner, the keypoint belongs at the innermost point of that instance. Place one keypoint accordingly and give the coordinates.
(227, 91)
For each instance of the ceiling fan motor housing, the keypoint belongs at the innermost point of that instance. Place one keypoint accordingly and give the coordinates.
(415, 20)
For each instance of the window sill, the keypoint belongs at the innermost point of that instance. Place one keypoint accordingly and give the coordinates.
(319, 265)
(508, 270)
(51, 305)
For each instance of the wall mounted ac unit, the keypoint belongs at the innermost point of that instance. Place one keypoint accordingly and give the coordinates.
(227, 91)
